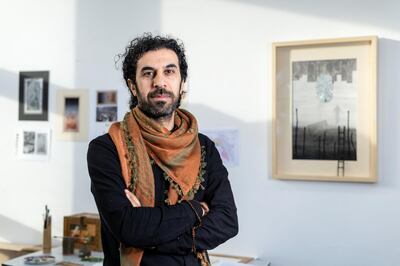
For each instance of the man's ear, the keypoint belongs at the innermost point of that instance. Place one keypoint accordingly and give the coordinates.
(132, 87)
(183, 89)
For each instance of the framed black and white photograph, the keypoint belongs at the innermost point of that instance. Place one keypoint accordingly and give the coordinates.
(72, 114)
(107, 108)
(324, 110)
(33, 144)
(33, 95)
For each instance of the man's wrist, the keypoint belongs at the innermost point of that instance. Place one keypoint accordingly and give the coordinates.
(196, 208)
(204, 207)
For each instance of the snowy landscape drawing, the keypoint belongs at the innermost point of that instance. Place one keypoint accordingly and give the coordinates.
(324, 109)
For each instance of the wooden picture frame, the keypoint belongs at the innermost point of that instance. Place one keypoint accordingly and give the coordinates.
(72, 114)
(324, 110)
(33, 95)
(216, 258)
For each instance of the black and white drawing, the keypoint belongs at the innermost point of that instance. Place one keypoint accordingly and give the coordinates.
(41, 147)
(33, 95)
(324, 109)
(33, 144)
(29, 142)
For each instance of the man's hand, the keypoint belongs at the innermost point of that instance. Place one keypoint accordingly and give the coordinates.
(136, 203)
(205, 208)
(132, 198)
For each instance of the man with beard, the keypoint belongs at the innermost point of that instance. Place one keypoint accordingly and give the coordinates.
(161, 189)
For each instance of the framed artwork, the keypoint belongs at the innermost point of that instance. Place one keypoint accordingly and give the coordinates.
(72, 114)
(324, 110)
(107, 106)
(33, 144)
(33, 95)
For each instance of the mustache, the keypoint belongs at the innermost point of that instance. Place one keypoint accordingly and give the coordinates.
(160, 91)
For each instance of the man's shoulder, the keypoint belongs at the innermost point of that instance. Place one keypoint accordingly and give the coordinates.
(102, 147)
(105, 139)
(101, 142)
(207, 144)
(204, 140)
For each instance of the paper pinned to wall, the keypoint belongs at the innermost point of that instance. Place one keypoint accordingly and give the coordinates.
(227, 143)
(33, 143)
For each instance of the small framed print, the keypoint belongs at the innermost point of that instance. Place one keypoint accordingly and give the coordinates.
(72, 115)
(324, 110)
(33, 95)
(33, 144)
(107, 107)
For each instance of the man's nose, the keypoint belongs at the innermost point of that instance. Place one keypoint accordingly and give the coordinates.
(159, 81)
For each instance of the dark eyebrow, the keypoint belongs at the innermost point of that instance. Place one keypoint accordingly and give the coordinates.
(146, 68)
(171, 66)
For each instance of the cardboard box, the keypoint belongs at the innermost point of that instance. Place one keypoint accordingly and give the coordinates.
(85, 227)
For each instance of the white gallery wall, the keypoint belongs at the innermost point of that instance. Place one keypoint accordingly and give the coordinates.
(77, 42)
(228, 46)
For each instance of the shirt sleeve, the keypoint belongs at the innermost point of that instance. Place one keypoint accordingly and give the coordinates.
(135, 227)
(221, 222)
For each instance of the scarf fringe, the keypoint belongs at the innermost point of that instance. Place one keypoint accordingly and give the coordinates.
(199, 180)
(131, 158)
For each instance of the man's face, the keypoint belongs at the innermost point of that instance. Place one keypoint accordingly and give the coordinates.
(158, 83)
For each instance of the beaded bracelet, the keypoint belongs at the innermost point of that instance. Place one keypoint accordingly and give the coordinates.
(194, 210)
(194, 227)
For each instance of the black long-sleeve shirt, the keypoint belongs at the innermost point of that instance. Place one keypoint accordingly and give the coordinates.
(164, 232)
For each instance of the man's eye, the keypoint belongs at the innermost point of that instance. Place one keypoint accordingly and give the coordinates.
(148, 74)
(169, 71)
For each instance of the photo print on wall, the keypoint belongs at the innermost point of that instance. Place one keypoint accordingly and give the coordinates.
(72, 114)
(107, 108)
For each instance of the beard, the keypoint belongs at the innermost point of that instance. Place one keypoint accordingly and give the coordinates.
(158, 109)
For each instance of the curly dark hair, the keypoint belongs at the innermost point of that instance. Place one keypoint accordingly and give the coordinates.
(145, 43)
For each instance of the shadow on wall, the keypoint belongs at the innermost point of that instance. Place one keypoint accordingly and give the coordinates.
(102, 30)
(386, 15)
(98, 40)
(388, 107)
(26, 172)
(9, 227)
(254, 137)
(7, 91)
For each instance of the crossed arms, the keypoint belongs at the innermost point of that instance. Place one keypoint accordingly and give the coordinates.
(164, 228)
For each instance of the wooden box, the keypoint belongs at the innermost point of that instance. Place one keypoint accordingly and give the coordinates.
(85, 227)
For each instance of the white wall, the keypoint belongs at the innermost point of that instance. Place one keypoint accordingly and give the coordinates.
(292, 223)
(76, 41)
(229, 51)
